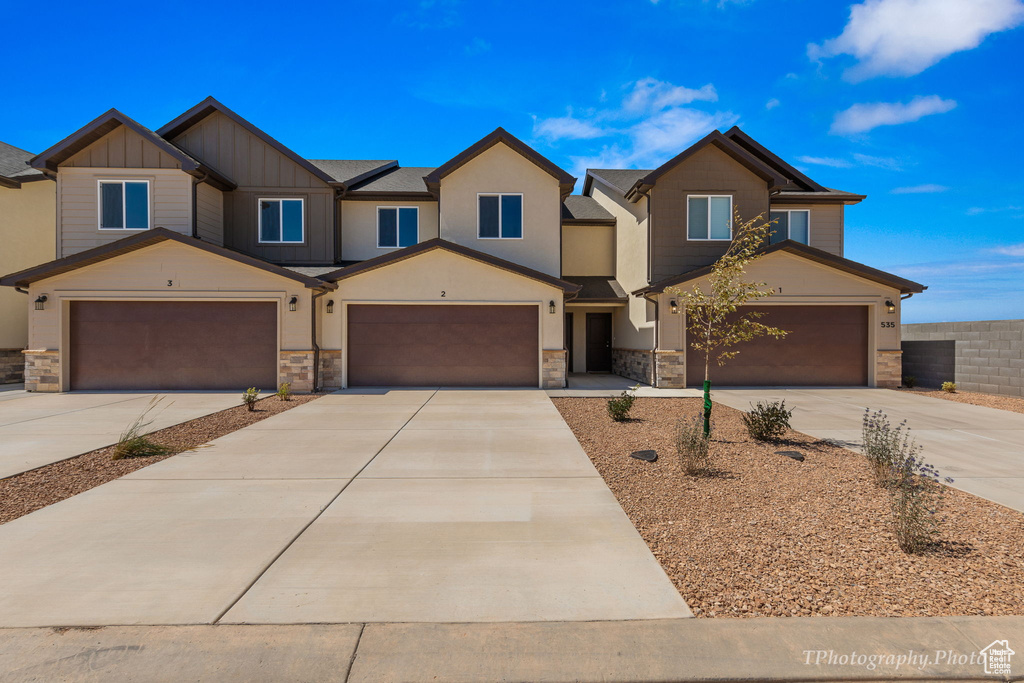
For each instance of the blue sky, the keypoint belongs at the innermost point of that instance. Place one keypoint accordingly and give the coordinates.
(916, 103)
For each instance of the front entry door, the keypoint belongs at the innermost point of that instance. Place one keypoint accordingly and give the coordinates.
(599, 342)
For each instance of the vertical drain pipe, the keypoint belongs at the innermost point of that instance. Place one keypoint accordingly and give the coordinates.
(316, 347)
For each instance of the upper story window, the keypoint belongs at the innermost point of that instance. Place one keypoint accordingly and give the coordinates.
(282, 221)
(709, 217)
(500, 216)
(397, 226)
(124, 204)
(792, 224)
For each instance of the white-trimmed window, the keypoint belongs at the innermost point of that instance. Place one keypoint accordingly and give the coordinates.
(709, 217)
(499, 216)
(124, 204)
(282, 221)
(397, 226)
(791, 224)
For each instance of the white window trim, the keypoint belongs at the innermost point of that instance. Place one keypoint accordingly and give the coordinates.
(398, 226)
(124, 203)
(522, 206)
(259, 219)
(789, 221)
(707, 228)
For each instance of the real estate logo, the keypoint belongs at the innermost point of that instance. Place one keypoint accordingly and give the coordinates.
(997, 658)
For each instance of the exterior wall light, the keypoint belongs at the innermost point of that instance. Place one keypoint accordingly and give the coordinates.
(40, 302)
(293, 303)
(330, 305)
(674, 305)
(890, 307)
(551, 307)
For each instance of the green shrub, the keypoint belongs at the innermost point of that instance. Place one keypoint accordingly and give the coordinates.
(133, 443)
(619, 407)
(916, 498)
(909, 381)
(284, 392)
(767, 421)
(949, 387)
(693, 447)
(886, 447)
(249, 398)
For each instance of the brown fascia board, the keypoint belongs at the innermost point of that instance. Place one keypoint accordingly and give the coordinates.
(142, 240)
(759, 150)
(812, 254)
(565, 181)
(366, 176)
(825, 197)
(588, 221)
(49, 160)
(199, 112)
(758, 167)
(389, 196)
(9, 183)
(438, 243)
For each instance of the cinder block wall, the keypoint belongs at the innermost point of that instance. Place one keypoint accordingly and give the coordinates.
(986, 355)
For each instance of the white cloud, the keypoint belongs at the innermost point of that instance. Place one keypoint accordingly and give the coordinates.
(825, 161)
(927, 188)
(649, 126)
(1010, 250)
(878, 162)
(772, 103)
(861, 118)
(651, 95)
(477, 46)
(978, 210)
(905, 37)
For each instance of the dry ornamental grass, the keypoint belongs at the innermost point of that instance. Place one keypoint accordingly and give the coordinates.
(767, 535)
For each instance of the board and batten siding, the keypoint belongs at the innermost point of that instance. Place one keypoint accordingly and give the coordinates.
(170, 204)
(210, 214)
(826, 225)
(708, 172)
(121, 148)
(261, 171)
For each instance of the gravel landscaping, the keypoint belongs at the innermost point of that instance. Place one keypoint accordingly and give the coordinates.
(30, 491)
(770, 536)
(1011, 403)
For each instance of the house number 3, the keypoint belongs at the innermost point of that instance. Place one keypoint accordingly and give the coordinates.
(170, 283)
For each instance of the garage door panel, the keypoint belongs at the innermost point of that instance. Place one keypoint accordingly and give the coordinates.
(173, 345)
(455, 345)
(825, 345)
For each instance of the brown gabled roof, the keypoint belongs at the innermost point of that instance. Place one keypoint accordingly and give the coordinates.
(211, 105)
(761, 152)
(810, 253)
(727, 145)
(565, 181)
(142, 240)
(596, 289)
(108, 121)
(438, 243)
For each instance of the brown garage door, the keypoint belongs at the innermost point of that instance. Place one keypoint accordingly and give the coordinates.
(442, 345)
(826, 345)
(173, 345)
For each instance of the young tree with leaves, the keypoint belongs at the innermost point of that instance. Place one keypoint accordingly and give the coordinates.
(712, 323)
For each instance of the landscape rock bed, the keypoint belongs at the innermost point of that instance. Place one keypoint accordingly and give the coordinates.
(30, 491)
(1011, 403)
(770, 536)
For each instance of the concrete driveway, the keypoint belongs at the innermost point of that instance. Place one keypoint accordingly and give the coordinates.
(379, 506)
(39, 429)
(981, 448)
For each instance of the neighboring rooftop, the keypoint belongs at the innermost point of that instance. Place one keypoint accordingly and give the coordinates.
(620, 178)
(582, 209)
(14, 163)
(597, 289)
(351, 171)
(407, 179)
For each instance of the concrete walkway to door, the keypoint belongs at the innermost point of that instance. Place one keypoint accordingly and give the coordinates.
(982, 449)
(373, 506)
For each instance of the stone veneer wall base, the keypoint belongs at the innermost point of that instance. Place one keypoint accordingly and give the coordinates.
(296, 368)
(330, 369)
(888, 369)
(670, 369)
(12, 366)
(42, 370)
(553, 369)
(635, 364)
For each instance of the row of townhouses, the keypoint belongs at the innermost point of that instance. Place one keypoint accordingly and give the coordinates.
(208, 255)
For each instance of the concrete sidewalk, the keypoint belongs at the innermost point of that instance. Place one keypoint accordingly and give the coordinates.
(982, 449)
(39, 429)
(781, 649)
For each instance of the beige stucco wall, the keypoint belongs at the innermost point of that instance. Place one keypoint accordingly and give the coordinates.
(635, 330)
(170, 204)
(422, 279)
(359, 227)
(804, 282)
(27, 219)
(588, 250)
(826, 225)
(210, 213)
(144, 274)
(501, 169)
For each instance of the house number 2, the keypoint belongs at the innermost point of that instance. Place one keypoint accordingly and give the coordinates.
(443, 294)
